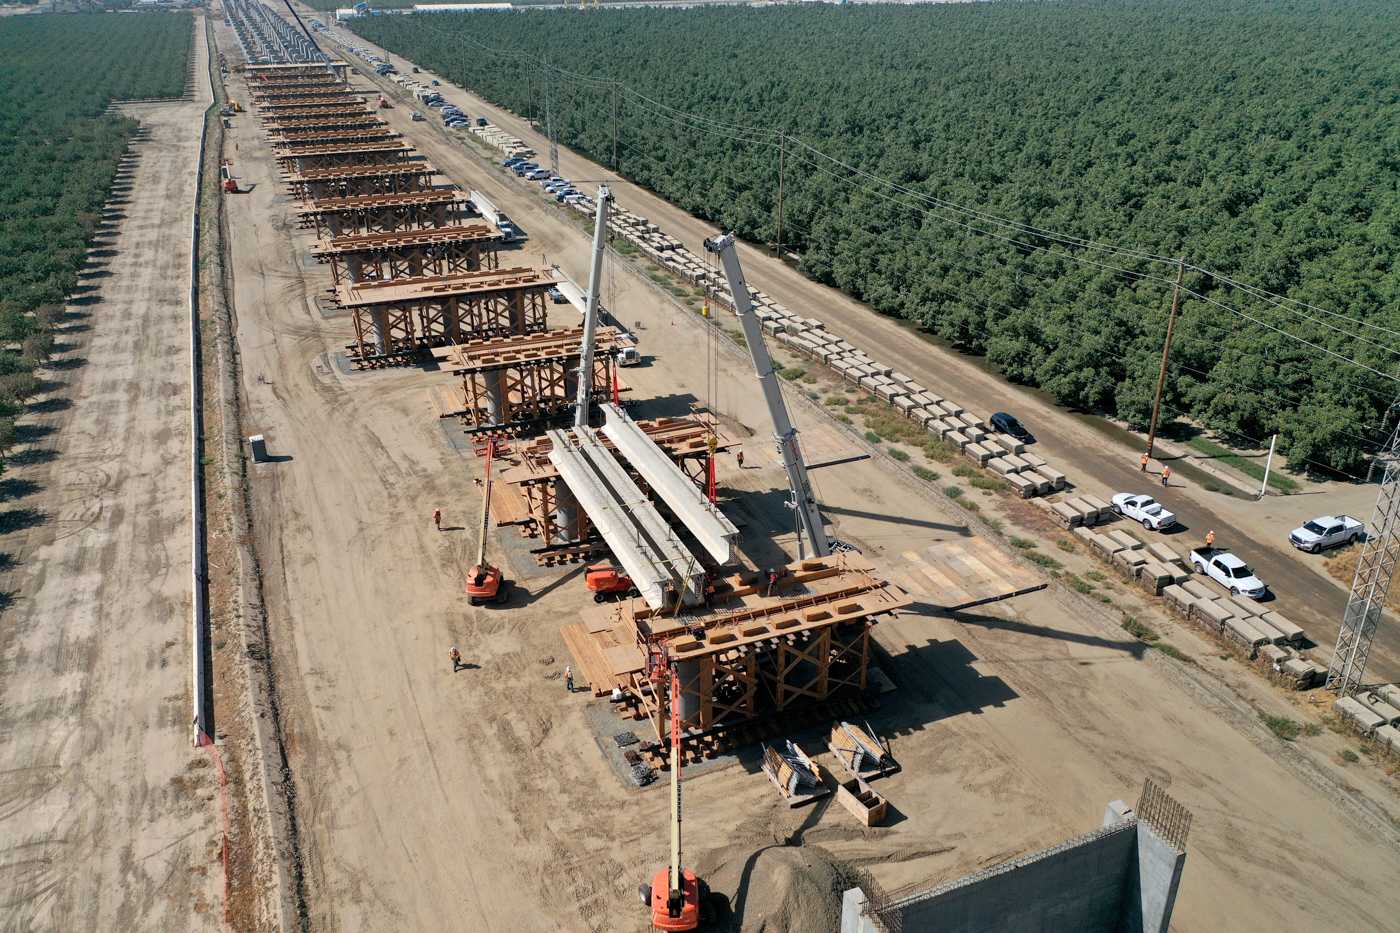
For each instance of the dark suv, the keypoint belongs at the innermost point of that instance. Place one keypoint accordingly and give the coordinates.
(1006, 424)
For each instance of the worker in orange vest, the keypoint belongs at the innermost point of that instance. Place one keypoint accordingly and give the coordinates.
(456, 657)
(437, 518)
(1210, 539)
(1144, 463)
(1166, 475)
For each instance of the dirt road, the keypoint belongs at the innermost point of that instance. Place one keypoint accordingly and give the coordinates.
(429, 800)
(108, 813)
(1096, 457)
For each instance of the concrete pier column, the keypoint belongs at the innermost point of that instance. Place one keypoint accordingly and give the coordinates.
(565, 513)
(381, 330)
(689, 672)
(495, 396)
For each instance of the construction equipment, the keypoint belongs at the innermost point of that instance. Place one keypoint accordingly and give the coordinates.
(809, 517)
(230, 186)
(590, 313)
(484, 581)
(675, 893)
(384, 104)
(606, 581)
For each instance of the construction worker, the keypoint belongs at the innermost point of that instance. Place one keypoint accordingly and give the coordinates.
(437, 518)
(456, 657)
(1210, 539)
(1166, 475)
(569, 679)
(772, 580)
(1144, 463)
(740, 457)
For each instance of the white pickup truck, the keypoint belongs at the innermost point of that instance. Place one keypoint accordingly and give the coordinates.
(1144, 509)
(1327, 531)
(1227, 570)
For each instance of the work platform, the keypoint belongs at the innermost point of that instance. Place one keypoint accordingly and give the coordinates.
(325, 137)
(328, 184)
(522, 381)
(275, 96)
(385, 213)
(282, 115)
(363, 120)
(302, 104)
(747, 654)
(397, 320)
(390, 152)
(293, 69)
(963, 573)
(438, 252)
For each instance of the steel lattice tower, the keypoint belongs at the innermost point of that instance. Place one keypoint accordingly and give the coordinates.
(1372, 583)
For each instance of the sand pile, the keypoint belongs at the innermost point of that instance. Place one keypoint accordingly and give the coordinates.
(776, 889)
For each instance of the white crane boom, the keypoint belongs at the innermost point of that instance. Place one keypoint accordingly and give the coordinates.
(809, 517)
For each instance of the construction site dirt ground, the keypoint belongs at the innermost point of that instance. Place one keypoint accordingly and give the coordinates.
(431, 800)
(109, 813)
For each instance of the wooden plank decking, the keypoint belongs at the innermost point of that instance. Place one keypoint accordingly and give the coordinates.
(963, 573)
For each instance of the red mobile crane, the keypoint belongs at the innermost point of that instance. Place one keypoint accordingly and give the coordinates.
(484, 581)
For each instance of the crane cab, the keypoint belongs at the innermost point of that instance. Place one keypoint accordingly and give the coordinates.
(681, 914)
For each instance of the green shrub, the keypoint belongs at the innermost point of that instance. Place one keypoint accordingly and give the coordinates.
(1312, 728)
(844, 420)
(993, 523)
(872, 437)
(926, 474)
(953, 492)
(940, 450)
(1044, 560)
(898, 454)
(1078, 585)
(1247, 467)
(1172, 651)
(1349, 755)
(1137, 628)
(1066, 545)
(1095, 575)
(1283, 727)
(837, 401)
(792, 374)
(969, 505)
(988, 484)
(1020, 542)
(967, 470)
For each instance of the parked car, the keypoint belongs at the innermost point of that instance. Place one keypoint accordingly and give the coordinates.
(525, 168)
(513, 162)
(415, 69)
(557, 296)
(562, 196)
(1227, 570)
(537, 174)
(1006, 424)
(416, 115)
(436, 83)
(1143, 509)
(1326, 531)
(481, 121)
(575, 198)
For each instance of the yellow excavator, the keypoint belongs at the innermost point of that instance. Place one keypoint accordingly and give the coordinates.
(484, 582)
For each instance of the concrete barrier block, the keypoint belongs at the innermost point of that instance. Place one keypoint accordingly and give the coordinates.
(1176, 597)
(1163, 552)
(1291, 629)
(1089, 513)
(1209, 612)
(1068, 515)
(1388, 739)
(1125, 539)
(959, 438)
(1024, 487)
(1018, 465)
(1001, 466)
(977, 453)
(1056, 478)
(1199, 590)
(1358, 715)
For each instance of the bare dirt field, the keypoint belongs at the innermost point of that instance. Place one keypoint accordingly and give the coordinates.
(109, 814)
(429, 800)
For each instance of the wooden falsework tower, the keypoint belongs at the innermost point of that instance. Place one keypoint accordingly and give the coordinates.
(749, 655)
(396, 320)
(441, 252)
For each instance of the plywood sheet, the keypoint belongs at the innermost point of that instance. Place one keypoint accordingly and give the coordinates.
(963, 573)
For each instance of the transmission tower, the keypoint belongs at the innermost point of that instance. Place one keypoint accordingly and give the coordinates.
(1372, 583)
(549, 118)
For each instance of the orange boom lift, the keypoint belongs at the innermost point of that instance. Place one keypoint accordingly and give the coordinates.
(484, 582)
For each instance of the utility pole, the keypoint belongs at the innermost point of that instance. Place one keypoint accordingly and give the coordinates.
(782, 164)
(614, 126)
(529, 101)
(1166, 351)
(549, 118)
(1264, 486)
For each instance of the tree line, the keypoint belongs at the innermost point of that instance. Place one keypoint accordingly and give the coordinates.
(59, 151)
(1254, 138)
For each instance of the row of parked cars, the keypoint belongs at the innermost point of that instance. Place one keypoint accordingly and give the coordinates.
(561, 189)
(454, 118)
